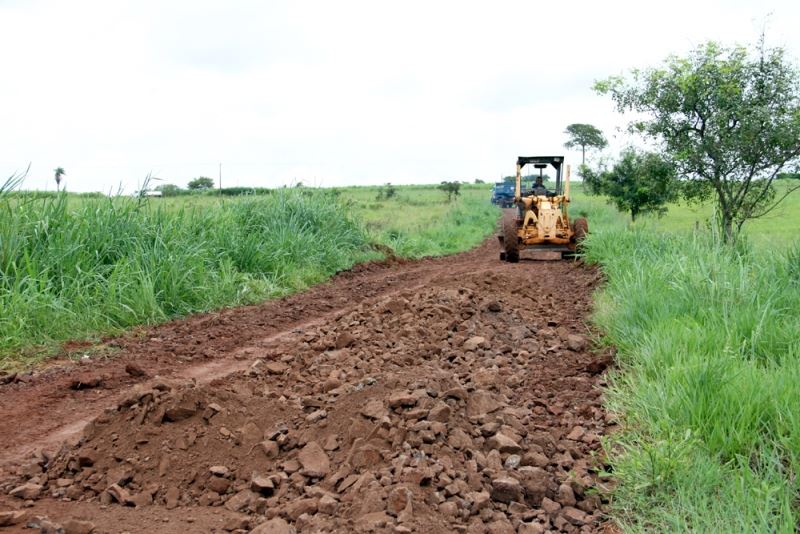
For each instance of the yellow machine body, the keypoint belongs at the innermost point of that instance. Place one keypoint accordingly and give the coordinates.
(545, 219)
(541, 220)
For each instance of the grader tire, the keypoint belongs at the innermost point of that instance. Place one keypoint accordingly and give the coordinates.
(581, 228)
(510, 237)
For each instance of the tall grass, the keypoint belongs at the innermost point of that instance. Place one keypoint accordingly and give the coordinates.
(464, 225)
(77, 267)
(100, 265)
(708, 342)
(418, 220)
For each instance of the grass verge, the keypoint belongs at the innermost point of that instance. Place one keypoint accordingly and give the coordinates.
(418, 221)
(708, 342)
(81, 267)
(102, 265)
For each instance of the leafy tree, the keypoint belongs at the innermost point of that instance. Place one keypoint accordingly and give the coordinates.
(585, 135)
(728, 117)
(479, 181)
(451, 188)
(201, 183)
(640, 182)
(59, 173)
(169, 190)
(388, 191)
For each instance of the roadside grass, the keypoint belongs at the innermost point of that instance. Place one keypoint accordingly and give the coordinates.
(75, 270)
(78, 267)
(706, 387)
(418, 221)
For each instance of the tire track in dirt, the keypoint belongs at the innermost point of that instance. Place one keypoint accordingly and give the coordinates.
(47, 404)
(448, 394)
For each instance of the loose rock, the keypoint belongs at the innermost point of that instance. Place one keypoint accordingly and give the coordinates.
(504, 444)
(506, 489)
(315, 463)
(73, 526)
(27, 491)
(275, 525)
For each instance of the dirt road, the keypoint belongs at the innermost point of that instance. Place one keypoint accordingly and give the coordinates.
(452, 394)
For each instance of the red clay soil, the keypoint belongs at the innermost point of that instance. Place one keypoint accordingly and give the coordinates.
(456, 394)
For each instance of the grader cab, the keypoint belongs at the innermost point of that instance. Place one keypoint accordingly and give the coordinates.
(540, 221)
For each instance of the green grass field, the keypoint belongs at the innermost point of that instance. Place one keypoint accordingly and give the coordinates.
(79, 267)
(708, 341)
(416, 222)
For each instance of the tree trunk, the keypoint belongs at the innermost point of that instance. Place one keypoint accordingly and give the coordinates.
(583, 155)
(634, 212)
(726, 217)
(728, 236)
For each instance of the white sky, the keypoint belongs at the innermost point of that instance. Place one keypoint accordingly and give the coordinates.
(329, 92)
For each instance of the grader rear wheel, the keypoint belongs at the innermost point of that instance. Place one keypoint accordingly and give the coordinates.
(580, 229)
(510, 239)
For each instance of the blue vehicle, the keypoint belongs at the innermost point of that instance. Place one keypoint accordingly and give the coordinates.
(503, 194)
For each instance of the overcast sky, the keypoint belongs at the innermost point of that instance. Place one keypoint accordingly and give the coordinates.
(330, 92)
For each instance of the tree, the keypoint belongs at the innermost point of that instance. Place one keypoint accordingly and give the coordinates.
(169, 190)
(59, 173)
(451, 188)
(201, 183)
(729, 118)
(388, 191)
(640, 182)
(585, 135)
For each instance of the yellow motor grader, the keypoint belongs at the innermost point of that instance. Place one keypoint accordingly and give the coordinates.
(540, 221)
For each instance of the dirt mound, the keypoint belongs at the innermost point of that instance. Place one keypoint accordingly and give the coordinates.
(466, 405)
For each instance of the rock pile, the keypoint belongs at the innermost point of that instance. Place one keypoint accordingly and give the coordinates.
(439, 410)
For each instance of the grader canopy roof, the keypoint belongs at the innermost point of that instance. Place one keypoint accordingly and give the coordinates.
(542, 161)
(555, 161)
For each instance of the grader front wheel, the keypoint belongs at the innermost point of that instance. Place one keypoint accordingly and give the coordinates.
(510, 239)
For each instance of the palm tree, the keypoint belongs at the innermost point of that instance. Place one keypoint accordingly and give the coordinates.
(59, 173)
